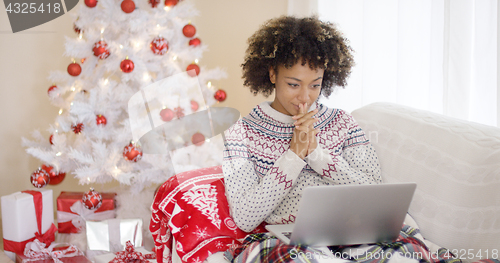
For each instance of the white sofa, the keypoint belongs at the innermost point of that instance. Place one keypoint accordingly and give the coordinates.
(456, 165)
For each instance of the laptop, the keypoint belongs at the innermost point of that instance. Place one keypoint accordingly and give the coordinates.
(348, 215)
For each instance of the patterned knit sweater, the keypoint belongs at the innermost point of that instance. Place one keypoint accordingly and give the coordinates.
(264, 179)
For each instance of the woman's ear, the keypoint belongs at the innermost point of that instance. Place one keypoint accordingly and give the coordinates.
(272, 75)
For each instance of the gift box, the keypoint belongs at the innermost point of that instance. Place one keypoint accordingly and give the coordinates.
(27, 215)
(38, 252)
(130, 252)
(72, 215)
(112, 235)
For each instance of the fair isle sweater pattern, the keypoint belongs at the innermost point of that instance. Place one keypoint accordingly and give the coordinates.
(264, 179)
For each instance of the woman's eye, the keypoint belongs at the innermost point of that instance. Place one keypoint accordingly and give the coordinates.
(316, 86)
(293, 85)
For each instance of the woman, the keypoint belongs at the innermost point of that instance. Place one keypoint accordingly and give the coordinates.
(293, 142)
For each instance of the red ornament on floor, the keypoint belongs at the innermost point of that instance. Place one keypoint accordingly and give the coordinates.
(100, 120)
(189, 30)
(198, 139)
(159, 45)
(127, 65)
(77, 128)
(192, 67)
(167, 114)
(55, 177)
(171, 3)
(100, 50)
(128, 6)
(40, 178)
(220, 95)
(194, 42)
(132, 153)
(91, 3)
(92, 199)
(74, 69)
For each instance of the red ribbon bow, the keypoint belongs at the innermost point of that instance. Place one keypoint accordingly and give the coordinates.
(130, 255)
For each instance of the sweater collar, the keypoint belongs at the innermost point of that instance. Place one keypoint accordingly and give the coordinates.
(281, 117)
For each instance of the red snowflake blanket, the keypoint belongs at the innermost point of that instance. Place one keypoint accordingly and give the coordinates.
(192, 208)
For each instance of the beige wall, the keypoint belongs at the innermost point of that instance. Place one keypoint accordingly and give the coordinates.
(27, 57)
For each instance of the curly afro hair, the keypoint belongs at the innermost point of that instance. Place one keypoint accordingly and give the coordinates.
(285, 40)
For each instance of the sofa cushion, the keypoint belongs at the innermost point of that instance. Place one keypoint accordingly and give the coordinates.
(456, 165)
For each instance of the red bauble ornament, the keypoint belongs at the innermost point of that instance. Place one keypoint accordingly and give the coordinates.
(194, 105)
(194, 42)
(159, 45)
(198, 139)
(50, 138)
(195, 72)
(167, 114)
(220, 95)
(132, 153)
(40, 178)
(189, 30)
(77, 128)
(92, 199)
(171, 3)
(128, 6)
(100, 120)
(77, 30)
(127, 65)
(55, 178)
(91, 3)
(154, 3)
(74, 69)
(100, 49)
(53, 87)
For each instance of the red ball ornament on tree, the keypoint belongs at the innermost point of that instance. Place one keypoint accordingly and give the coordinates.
(159, 45)
(193, 70)
(127, 65)
(128, 6)
(198, 139)
(100, 49)
(50, 138)
(167, 114)
(194, 42)
(220, 95)
(53, 87)
(74, 69)
(100, 120)
(189, 30)
(91, 3)
(132, 153)
(77, 128)
(194, 105)
(154, 3)
(55, 177)
(171, 3)
(92, 199)
(40, 178)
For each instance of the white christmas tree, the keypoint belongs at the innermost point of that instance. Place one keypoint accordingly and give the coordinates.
(122, 47)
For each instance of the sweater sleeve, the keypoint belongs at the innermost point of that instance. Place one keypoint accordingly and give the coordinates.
(347, 157)
(253, 196)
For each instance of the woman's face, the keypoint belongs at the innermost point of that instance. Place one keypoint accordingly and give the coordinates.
(296, 85)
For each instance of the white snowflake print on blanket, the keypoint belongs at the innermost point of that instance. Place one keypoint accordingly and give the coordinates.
(204, 198)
